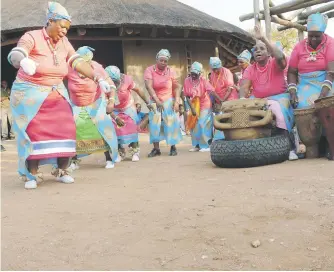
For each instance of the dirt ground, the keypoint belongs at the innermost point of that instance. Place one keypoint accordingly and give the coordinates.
(170, 213)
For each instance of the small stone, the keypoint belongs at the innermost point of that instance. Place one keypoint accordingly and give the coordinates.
(256, 243)
(312, 248)
(204, 257)
(271, 240)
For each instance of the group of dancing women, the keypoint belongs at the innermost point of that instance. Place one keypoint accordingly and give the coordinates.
(96, 111)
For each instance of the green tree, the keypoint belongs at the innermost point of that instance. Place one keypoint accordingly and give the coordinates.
(288, 38)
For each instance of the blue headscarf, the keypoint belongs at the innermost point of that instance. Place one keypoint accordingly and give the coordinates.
(114, 73)
(86, 53)
(245, 56)
(56, 11)
(196, 68)
(317, 22)
(215, 63)
(163, 53)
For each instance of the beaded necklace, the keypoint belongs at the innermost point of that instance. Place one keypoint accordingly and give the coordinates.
(313, 54)
(53, 50)
(266, 70)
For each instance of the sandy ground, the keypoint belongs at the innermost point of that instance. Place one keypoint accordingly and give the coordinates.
(170, 213)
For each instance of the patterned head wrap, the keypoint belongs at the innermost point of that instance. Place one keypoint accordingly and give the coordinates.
(114, 73)
(317, 22)
(56, 11)
(215, 63)
(279, 46)
(86, 53)
(163, 53)
(196, 68)
(245, 56)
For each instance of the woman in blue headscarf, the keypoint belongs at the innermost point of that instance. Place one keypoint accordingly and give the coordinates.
(197, 91)
(244, 60)
(95, 131)
(310, 62)
(125, 113)
(43, 119)
(162, 84)
(311, 66)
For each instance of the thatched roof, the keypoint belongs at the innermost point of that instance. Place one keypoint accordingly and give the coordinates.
(25, 14)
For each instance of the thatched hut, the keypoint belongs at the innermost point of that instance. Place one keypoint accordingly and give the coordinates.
(128, 33)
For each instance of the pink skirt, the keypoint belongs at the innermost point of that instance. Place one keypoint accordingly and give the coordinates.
(129, 132)
(52, 130)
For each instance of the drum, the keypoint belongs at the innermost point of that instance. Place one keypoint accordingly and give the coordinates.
(309, 130)
(325, 111)
(244, 119)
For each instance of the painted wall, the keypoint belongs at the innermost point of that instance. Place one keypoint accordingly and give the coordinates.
(137, 57)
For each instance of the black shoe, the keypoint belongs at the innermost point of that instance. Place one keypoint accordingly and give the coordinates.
(173, 151)
(154, 153)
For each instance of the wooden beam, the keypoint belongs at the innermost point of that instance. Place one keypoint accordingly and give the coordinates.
(154, 32)
(9, 41)
(286, 7)
(330, 14)
(256, 6)
(272, 4)
(121, 31)
(227, 49)
(216, 51)
(287, 23)
(282, 28)
(267, 18)
(320, 9)
(132, 38)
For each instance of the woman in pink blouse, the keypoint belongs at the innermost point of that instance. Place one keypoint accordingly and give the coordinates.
(311, 67)
(198, 88)
(222, 81)
(310, 62)
(266, 76)
(43, 119)
(95, 132)
(125, 113)
(164, 89)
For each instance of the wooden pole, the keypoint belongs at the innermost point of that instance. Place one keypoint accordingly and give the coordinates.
(304, 21)
(286, 7)
(267, 18)
(290, 4)
(256, 6)
(320, 9)
(287, 23)
(282, 28)
(272, 4)
(216, 50)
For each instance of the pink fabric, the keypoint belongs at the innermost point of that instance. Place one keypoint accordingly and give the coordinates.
(162, 82)
(202, 90)
(54, 113)
(299, 56)
(47, 73)
(84, 91)
(221, 83)
(267, 83)
(277, 111)
(129, 128)
(124, 92)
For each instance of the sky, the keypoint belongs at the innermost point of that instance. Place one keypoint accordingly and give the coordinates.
(230, 10)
